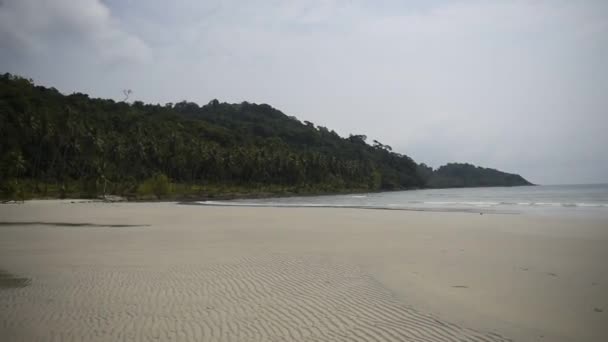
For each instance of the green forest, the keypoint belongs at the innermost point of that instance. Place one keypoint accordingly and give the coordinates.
(55, 145)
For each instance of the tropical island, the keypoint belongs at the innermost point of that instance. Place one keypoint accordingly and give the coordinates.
(57, 146)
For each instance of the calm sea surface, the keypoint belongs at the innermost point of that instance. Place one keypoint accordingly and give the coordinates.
(589, 199)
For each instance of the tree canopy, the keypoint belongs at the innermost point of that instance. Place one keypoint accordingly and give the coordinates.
(457, 175)
(59, 145)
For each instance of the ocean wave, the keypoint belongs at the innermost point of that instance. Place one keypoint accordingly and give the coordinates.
(465, 203)
(569, 205)
(525, 204)
(341, 206)
(592, 205)
(274, 204)
(410, 205)
(555, 204)
(546, 204)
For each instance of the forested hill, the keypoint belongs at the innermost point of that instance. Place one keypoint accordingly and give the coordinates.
(459, 175)
(57, 145)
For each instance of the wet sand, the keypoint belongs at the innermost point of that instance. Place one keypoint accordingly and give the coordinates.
(163, 271)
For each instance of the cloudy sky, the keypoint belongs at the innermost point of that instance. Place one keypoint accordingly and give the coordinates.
(521, 86)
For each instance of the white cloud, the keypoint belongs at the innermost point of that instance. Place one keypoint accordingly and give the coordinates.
(518, 85)
(62, 26)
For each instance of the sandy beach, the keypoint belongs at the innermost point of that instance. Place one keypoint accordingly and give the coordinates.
(171, 272)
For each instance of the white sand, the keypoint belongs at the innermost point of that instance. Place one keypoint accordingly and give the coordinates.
(286, 274)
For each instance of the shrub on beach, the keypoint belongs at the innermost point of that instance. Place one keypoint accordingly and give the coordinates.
(157, 185)
(12, 189)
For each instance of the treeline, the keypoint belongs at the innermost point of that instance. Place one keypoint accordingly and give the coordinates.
(53, 145)
(57, 145)
(462, 175)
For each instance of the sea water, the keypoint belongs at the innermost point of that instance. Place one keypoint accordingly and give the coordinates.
(588, 199)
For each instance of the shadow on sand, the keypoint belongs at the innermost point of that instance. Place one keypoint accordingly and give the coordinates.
(70, 224)
(11, 281)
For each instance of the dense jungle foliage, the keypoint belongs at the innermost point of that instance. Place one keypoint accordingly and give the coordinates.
(462, 175)
(53, 145)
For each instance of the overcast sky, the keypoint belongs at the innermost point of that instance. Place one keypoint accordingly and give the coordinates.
(521, 86)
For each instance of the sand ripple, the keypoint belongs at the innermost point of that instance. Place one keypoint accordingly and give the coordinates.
(274, 298)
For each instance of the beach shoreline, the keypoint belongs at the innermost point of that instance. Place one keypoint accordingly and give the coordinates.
(102, 271)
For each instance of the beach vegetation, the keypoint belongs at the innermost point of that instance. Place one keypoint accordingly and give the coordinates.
(56, 145)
